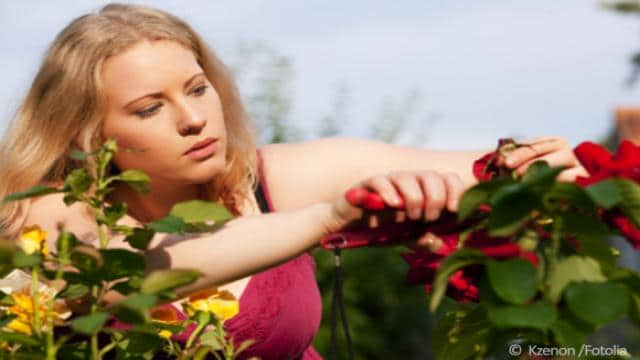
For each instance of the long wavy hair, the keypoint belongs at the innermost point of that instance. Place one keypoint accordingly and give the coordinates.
(65, 107)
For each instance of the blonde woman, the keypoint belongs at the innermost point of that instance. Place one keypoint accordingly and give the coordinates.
(146, 79)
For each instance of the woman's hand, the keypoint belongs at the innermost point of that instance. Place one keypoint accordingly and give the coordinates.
(554, 150)
(417, 195)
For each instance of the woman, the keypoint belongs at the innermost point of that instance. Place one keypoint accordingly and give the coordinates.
(146, 79)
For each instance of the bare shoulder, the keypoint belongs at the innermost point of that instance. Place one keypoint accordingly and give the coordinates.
(300, 174)
(50, 213)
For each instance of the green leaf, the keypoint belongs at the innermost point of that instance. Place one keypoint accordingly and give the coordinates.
(66, 243)
(540, 177)
(127, 287)
(37, 190)
(488, 297)
(139, 343)
(210, 338)
(6, 318)
(7, 251)
(569, 331)
(73, 291)
(568, 195)
(591, 234)
(630, 199)
(17, 338)
(515, 280)
(625, 6)
(140, 238)
(597, 303)
(89, 324)
(169, 224)
(75, 351)
(605, 193)
(572, 268)
(79, 155)
(462, 334)
(165, 280)
(198, 211)
(478, 195)
(78, 181)
(133, 309)
(136, 179)
(511, 207)
(539, 315)
(119, 263)
(634, 313)
(86, 258)
(114, 212)
(22, 260)
(202, 352)
(6, 299)
(448, 267)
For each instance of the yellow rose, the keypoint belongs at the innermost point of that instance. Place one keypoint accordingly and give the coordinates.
(33, 239)
(23, 309)
(222, 304)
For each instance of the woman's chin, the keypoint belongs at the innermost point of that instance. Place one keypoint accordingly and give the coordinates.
(204, 172)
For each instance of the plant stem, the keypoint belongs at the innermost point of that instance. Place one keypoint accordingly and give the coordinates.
(95, 353)
(35, 295)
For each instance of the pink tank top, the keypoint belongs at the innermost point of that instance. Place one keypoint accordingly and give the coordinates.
(280, 308)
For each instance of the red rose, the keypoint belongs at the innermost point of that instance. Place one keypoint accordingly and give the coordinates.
(485, 168)
(625, 226)
(462, 284)
(602, 165)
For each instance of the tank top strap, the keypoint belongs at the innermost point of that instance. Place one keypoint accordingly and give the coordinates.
(261, 192)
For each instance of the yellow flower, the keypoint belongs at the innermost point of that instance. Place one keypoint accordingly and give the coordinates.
(165, 334)
(23, 309)
(222, 304)
(18, 286)
(165, 314)
(33, 239)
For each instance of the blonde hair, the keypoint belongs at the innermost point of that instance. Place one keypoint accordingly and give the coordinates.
(64, 107)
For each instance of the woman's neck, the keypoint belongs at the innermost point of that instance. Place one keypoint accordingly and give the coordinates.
(158, 201)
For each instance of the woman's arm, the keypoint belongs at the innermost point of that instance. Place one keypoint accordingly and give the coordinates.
(243, 246)
(320, 170)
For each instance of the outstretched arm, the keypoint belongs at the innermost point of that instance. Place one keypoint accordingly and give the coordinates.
(320, 170)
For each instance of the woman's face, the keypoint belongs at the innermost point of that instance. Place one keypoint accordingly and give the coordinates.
(161, 106)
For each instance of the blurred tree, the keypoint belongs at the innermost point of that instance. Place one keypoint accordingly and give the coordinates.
(631, 7)
(267, 74)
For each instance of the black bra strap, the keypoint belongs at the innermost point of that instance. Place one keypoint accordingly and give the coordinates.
(262, 199)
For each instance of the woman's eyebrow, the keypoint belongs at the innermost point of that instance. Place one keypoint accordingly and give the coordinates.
(157, 94)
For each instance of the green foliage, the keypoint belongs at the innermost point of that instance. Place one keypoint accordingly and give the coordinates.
(89, 272)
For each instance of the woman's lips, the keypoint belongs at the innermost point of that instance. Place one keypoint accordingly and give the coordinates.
(203, 149)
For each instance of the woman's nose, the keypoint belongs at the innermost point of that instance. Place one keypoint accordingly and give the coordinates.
(191, 120)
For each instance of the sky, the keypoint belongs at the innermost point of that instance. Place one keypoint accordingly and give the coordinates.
(484, 69)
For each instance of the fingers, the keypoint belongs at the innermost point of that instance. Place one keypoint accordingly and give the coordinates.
(435, 194)
(455, 189)
(571, 174)
(423, 194)
(384, 187)
(532, 150)
(410, 188)
(554, 159)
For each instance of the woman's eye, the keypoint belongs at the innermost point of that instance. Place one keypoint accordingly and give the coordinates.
(148, 111)
(200, 90)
